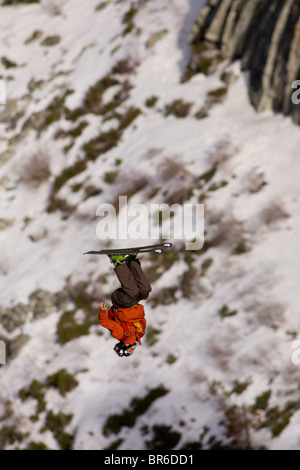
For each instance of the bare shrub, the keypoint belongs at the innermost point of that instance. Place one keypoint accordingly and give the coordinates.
(132, 183)
(265, 313)
(171, 168)
(178, 108)
(53, 7)
(181, 181)
(214, 97)
(4, 265)
(36, 170)
(126, 184)
(221, 152)
(254, 181)
(189, 286)
(124, 66)
(273, 213)
(239, 420)
(101, 6)
(290, 374)
(226, 230)
(221, 350)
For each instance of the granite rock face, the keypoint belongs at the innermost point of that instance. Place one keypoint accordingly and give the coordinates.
(265, 36)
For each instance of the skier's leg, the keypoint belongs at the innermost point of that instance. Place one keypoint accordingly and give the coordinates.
(128, 294)
(140, 279)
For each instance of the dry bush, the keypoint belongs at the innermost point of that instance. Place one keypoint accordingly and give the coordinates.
(10, 434)
(238, 422)
(178, 108)
(53, 8)
(220, 349)
(170, 168)
(220, 153)
(126, 184)
(290, 373)
(36, 169)
(214, 97)
(189, 285)
(265, 313)
(125, 66)
(4, 265)
(254, 181)
(272, 214)
(226, 230)
(182, 181)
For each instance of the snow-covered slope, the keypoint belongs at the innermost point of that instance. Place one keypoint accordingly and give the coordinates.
(91, 89)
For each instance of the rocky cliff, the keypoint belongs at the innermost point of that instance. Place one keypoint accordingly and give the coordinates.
(264, 36)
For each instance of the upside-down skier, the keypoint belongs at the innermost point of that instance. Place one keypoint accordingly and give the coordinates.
(126, 318)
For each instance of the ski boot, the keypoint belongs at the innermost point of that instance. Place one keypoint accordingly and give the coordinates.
(130, 257)
(116, 260)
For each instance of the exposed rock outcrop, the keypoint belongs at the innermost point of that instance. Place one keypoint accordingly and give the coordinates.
(41, 303)
(265, 36)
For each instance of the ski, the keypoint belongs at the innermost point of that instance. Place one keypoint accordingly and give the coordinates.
(156, 248)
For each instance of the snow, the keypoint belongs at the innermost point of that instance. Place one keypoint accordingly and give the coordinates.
(261, 284)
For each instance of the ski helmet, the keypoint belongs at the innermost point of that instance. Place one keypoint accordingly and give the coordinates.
(121, 349)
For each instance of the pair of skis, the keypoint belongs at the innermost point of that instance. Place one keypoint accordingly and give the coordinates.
(156, 248)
